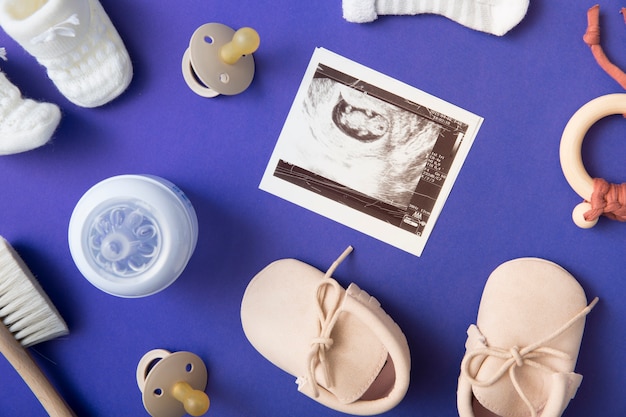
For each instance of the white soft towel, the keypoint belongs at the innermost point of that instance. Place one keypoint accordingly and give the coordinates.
(75, 40)
(491, 16)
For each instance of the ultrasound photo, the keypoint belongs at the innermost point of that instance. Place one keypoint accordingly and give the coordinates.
(362, 142)
(368, 151)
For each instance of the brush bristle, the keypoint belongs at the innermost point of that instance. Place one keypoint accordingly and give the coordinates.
(25, 309)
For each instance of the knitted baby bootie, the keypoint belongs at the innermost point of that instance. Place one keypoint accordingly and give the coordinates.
(24, 123)
(76, 42)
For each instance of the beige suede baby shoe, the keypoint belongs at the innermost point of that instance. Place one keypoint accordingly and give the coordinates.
(345, 351)
(521, 354)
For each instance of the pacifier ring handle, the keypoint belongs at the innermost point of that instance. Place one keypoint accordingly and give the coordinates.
(145, 364)
(571, 149)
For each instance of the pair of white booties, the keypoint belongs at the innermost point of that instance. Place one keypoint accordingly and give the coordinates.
(83, 55)
(349, 355)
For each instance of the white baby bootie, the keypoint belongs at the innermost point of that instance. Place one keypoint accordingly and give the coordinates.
(24, 123)
(76, 42)
(492, 16)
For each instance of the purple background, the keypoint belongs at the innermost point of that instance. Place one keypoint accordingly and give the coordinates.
(510, 199)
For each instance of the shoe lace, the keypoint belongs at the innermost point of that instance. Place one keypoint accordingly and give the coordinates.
(516, 358)
(60, 29)
(326, 322)
(3, 54)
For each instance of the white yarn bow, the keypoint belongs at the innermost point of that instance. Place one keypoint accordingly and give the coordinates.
(60, 29)
(516, 357)
(326, 323)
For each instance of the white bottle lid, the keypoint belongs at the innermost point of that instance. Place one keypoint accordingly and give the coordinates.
(133, 235)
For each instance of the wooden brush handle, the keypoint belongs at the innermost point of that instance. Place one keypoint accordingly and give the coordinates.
(24, 364)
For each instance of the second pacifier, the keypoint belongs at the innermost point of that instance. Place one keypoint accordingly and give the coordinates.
(173, 384)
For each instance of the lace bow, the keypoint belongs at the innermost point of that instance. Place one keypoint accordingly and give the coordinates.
(60, 29)
(326, 322)
(516, 358)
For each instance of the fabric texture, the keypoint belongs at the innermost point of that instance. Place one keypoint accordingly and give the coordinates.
(75, 40)
(25, 124)
(491, 16)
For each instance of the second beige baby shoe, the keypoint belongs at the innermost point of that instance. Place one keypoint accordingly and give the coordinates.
(521, 354)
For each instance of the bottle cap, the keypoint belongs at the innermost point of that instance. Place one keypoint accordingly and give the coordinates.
(132, 235)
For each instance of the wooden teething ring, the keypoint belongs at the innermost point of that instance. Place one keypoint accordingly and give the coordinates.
(571, 147)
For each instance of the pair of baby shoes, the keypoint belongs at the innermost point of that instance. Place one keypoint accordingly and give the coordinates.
(83, 55)
(349, 355)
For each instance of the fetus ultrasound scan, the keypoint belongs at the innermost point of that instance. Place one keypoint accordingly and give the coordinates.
(352, 142)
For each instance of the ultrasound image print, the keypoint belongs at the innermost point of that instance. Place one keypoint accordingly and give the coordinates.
(369, 152)
(362, 142)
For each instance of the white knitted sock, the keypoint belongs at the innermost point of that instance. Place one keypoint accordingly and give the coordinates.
(76, 42)
(492, 16)
(24, 124)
